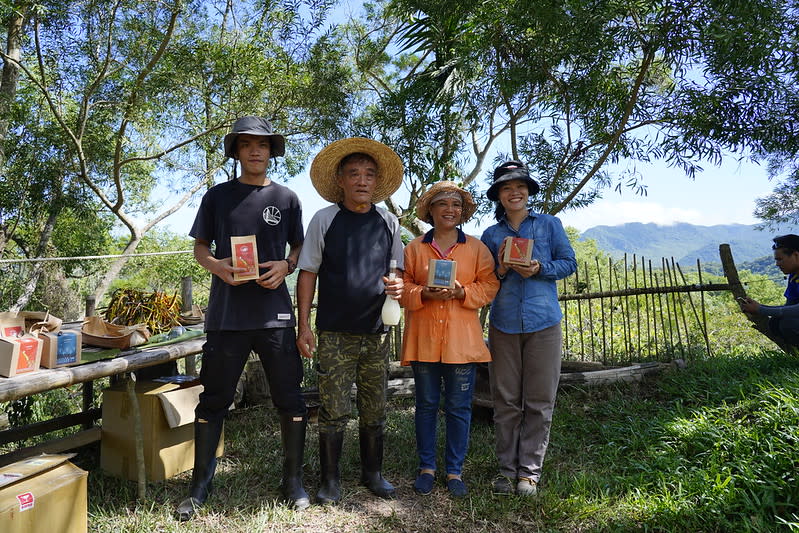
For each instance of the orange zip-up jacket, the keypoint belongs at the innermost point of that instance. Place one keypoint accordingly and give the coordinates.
(447, 331)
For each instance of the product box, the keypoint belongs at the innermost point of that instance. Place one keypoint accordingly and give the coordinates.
(518, 251)
(167, 416)
(244, 252)
(43, 494)
(441, 273)
(60, 349)
(11, 325)
(19, 355)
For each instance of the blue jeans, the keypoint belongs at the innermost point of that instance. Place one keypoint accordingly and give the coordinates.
(458, 388)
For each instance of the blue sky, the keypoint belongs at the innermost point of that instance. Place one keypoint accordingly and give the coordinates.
(722, 194)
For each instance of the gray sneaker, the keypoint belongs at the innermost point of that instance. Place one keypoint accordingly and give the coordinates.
(526, 487)
(502, 485)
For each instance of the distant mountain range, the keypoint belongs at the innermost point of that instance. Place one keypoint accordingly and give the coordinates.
(686, 242)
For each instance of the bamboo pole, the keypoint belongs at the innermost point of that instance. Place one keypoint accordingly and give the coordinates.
(590, 312)
(671, 308)
(610, 286)
(648, 313)
(704, 314)
(602, 308)
(660, 307)
(702, 326)
(579, 314)
(653, 289)
(675, 296)
(637, 305)
(624, 309)
(565, 320)
(628, 323)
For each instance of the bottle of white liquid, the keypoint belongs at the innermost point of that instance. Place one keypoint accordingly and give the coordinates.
(391, 308)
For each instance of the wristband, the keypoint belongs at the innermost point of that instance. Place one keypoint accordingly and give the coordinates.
(291, 263)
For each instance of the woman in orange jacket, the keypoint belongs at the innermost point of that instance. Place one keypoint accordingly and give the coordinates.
(443, 338)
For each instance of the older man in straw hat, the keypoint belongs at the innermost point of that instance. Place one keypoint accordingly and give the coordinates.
(254, 315)
(348, 249)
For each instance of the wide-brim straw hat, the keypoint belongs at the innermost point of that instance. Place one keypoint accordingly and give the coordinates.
(325, 167)
(254, 126)
(423, 204)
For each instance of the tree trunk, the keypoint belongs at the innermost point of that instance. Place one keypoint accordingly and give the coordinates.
(8, 91)
(38, 268)
(116, 267)
(8, 83)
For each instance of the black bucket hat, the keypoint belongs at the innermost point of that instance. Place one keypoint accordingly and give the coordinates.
(790, 242)
(511, 170)
(255, 126)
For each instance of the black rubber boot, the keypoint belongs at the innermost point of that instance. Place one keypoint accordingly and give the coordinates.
(292, 431)
(329, 455)
(206, 439)
(372, 462)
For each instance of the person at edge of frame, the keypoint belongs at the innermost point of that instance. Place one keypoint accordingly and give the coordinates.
(783, 319)
(524, 335)
(245, 316)
(443, 338)
(348, 250)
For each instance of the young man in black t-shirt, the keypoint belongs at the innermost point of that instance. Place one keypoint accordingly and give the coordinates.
(245, 316)
(348, 249)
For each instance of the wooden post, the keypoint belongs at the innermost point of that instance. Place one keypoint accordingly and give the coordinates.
(88, 401)
(186, 294)
(187, 300)
(759, 322)
(90, 305)
(138, 433)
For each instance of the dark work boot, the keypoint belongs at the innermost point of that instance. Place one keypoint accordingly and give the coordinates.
(292, 431)
(206, 439)
(372, 462)
(329, 455)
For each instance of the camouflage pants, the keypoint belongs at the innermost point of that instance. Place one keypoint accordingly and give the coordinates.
(344, 358)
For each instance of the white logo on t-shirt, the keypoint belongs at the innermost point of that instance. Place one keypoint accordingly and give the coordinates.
(272, 215)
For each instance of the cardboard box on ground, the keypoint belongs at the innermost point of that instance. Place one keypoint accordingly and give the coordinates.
(43, 494)
(167, 414)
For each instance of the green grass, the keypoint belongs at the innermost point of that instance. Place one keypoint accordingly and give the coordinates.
(711, 448)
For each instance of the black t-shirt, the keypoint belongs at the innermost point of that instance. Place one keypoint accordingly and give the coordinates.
(350, 252)
(273, 214)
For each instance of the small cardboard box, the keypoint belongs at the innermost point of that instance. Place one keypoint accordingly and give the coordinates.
(43, 494)
(244, 252)
(167, 415)
(518, 251)
(60, 349)
(441, 273)
(19, 355)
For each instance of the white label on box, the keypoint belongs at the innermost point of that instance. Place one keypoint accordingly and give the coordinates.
(9, 477)
(26, 501)
(284, 316)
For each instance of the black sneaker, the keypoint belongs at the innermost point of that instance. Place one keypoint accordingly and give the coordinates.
(502, 485)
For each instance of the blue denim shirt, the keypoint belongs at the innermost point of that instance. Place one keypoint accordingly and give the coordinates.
(530, 305)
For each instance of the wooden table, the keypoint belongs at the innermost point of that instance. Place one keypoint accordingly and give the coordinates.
(47, 379)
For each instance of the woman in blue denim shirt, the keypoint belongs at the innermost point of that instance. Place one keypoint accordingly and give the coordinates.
(524, 332)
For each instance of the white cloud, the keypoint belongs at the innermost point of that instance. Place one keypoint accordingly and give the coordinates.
(610, 213)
